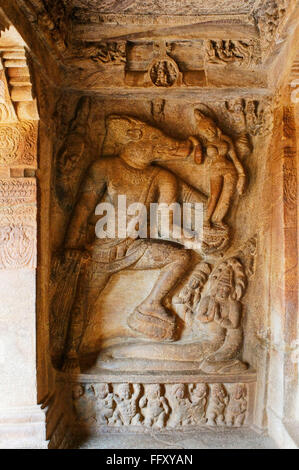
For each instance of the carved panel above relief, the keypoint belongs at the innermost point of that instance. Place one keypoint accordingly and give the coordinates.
(164, 7)
(18, 223)
(225, 52)
(95, 54)
(270, 16)
(117, 406)
(164, 64)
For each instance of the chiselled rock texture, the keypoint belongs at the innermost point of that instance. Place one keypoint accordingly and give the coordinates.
(160, 406)
(148, 171)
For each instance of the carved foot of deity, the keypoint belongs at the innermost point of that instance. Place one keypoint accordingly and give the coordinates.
(154, 322)
(215, 238)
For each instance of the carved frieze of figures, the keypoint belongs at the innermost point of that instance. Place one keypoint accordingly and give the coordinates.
(166, 7)
(224, 52)
(159, 406)
(109, 53)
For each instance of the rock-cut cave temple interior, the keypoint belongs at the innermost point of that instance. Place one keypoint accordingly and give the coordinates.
(149, 224)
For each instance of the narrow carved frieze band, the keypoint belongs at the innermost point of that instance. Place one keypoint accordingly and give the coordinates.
(17, 223)
(160, 406)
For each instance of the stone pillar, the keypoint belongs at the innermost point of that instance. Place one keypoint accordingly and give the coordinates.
(22, 421)
(283, 365)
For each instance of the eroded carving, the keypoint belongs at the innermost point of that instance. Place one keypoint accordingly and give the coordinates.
(160, 406)
(113, 53)
(154, 406)
(217, 405)
(270, 16)
(164, 73)
(232, 52)
(17, 224)
(127, 410)
(168, 7)
(259, 117)
(237, 406)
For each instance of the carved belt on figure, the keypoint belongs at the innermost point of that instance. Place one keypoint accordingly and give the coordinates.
(119, 256)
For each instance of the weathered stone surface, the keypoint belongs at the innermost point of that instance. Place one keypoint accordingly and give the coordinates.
(159, 102)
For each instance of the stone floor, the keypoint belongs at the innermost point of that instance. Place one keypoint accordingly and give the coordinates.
(208, 439)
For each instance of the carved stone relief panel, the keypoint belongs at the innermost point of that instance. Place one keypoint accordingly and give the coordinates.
(156, 407)
(18, 144)
(17, 223)
(187, 306)
(241, 52)
(165, 64)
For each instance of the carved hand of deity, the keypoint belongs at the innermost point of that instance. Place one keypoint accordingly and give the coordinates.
(197, 152)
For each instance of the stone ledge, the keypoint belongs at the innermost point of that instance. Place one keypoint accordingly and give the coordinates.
(157, 377)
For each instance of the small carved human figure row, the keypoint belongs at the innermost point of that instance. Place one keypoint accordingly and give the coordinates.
(159, 406)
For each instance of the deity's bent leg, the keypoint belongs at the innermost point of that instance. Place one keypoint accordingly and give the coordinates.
(216, 184)
(90, 285)
(151, 317)
(225, 199)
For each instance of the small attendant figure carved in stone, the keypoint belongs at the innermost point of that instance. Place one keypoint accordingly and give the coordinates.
(83, 403)
(154, 407)
(199, 397)
(180, 402)
(127, 411)
(104, 403)
(223, 307)
(237, 407)
(225, 174)
(217, 404)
